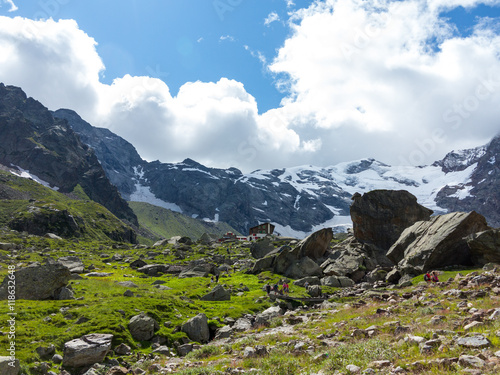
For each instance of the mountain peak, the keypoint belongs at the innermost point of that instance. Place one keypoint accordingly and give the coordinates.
(460, 160)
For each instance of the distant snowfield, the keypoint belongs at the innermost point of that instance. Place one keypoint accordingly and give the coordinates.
(360, 176)
(423, 182)
(339, 224)
(144, 194)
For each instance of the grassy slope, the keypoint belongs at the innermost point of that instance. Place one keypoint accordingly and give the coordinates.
(94, 220)
(40, 323)
(166, 223)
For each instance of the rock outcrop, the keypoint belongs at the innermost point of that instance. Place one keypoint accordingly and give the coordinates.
(32, 139)
(197, 329)
(436, 243)
(9, 366)
(380, 216)
(354, 259)
(86, 350)
(259, 249)
(300, 261)
(315, 245)
(38, 282)
(218, 293)
(44, 220)
(143, 327)
(74, 263)
(485, 246)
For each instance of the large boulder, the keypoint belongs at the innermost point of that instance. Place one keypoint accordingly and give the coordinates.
(260, 249)
(436, 243)
(288, 262)
(9, 366)
(309, 280)
(142, 327)
(380, 216)
(315, 245)
(264, 318)
(218, 293)
(154, 270)
(207, 238)
(38, 282)
(302, 268)
(74, 264)
(300, 261)
(86, 350)
(485, 246)
(337, 281)
(197, 329)
(263, 264)
(354, 259)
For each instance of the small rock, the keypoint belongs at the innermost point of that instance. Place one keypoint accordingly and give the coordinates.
(353, 369)
(471, 361)
(379, 364)
(184, 349)
(249, 352)
(57, 359)
(46, 352)
(477, 342)
(123, 349)
(473, 325)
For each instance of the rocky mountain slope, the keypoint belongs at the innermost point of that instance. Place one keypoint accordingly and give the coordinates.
(297, 200)
(31, 139)
(195, 309)
(29, 208)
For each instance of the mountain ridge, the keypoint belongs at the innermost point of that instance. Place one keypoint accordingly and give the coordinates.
(32, 139)
(299, 200)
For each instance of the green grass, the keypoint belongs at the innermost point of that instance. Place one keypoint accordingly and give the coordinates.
(32, 201)
(165, 223)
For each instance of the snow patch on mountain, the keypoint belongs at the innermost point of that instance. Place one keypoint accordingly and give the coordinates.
(143, 194)
(26, 174)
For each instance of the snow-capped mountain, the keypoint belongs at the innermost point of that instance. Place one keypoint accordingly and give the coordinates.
(297, 200)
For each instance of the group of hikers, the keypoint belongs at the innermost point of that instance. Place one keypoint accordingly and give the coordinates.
(215, 278)
(431, 277)
(284, 290)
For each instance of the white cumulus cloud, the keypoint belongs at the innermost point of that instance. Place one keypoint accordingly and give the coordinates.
(272, 17)
(390, 80)
(391, 72)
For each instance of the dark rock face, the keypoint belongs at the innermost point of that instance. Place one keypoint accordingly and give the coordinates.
(296, 263)
(260, 249)
(483, 192)
(380, 216)
(316, 245)
(354, 259)
(47, 220)
(31, 138)
(485, 246)
(117, 156)
(197, 328)
(298, 198)
(240, 200)
(38, 282)
(436, 243)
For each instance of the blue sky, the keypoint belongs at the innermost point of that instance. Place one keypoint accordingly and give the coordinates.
(180, 41)
(265, 83)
